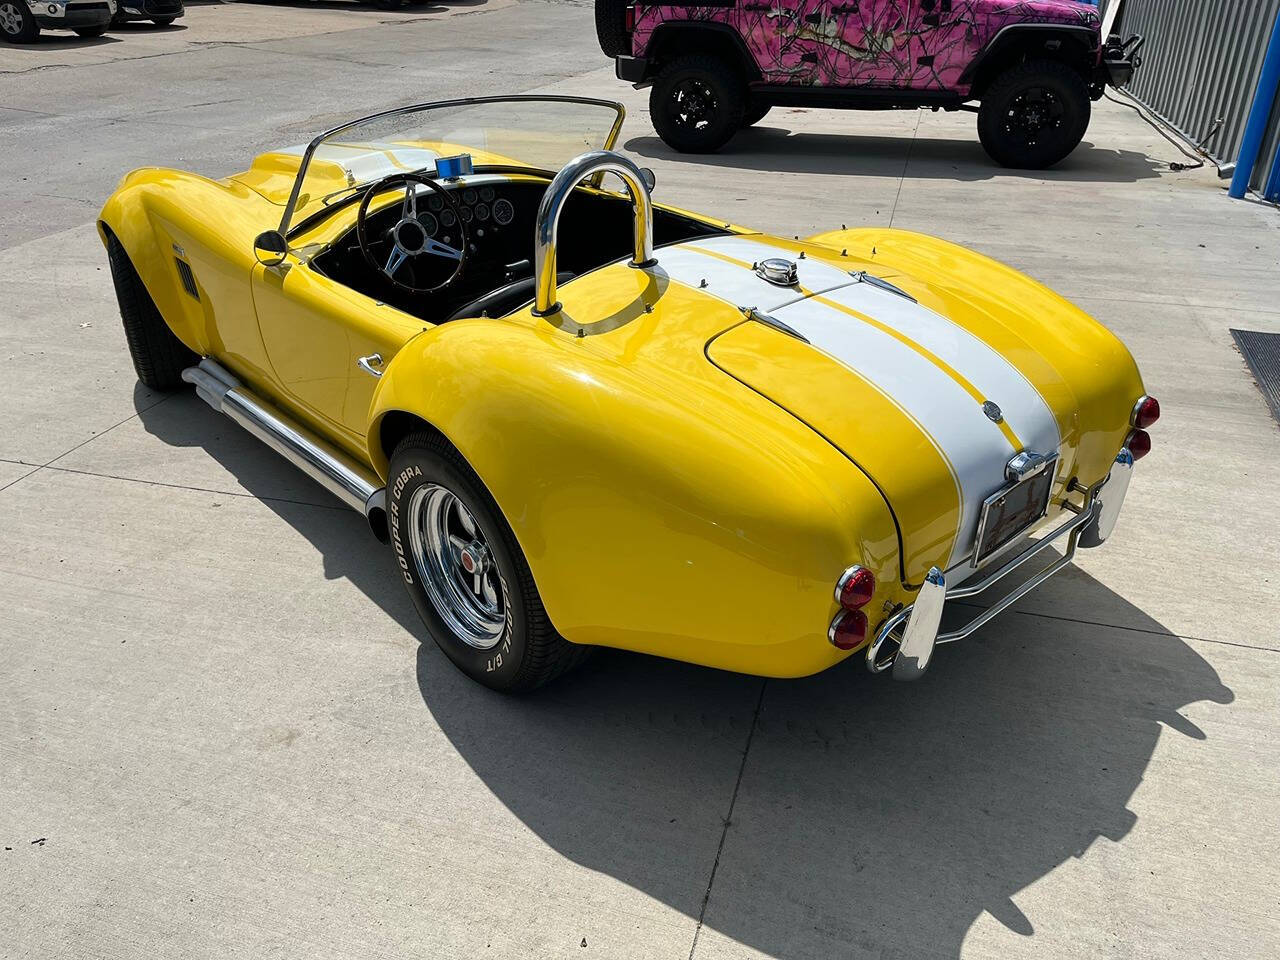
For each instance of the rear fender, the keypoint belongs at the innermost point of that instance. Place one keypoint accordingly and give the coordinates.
(654, 516)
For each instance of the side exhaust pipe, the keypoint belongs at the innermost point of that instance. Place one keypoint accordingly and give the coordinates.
(352, 483)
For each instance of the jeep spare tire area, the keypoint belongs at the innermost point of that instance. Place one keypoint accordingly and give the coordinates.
(611, 27)
(697, 103)
(1034, 114)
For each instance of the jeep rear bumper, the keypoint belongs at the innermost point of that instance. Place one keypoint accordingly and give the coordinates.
(631, 69)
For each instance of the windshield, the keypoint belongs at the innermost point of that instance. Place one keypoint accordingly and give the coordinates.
(540, 132)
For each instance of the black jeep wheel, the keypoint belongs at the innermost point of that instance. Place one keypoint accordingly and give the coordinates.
(465, 571)
(159, 357)
(17, 25)
(1034, 114)
(755, 112)
(697, 103)
(92, 31)
(163, 21)
(611, 27)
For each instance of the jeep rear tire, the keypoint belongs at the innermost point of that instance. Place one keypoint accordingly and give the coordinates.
(465, 571)
(697, 103)
(159, 357)
(611, 27)
(1034, 114)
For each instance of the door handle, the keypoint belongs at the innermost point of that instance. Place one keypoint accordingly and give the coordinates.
(372, 364)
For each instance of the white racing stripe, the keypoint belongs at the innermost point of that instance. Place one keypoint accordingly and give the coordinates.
(975, 448)
(913, 374)
(1025, 411)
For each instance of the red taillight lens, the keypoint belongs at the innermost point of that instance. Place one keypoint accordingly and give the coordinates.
(855, 588)
(629, 20)
(1145, 412)
(848, 629)
(1139, 443)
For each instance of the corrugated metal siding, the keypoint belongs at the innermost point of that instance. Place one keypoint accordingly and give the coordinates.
(1201, 62)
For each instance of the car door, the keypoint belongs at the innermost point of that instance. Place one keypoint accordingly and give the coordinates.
(878, 44)
(327, 345)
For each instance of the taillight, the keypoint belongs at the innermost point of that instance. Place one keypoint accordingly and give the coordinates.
(1145, 412)
(855, 588)
(1139, 443)
(629, 20)
(848, 629)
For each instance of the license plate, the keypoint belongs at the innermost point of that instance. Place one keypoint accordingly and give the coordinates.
(1011, 511)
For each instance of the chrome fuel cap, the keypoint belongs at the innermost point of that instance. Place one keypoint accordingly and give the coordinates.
(779, 271)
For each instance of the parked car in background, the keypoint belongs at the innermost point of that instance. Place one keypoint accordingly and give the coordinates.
(22, 20)
(1032, 66)
(160, 12)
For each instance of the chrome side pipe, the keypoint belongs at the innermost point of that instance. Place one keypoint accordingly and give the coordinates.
(354, 484)
(547, 226)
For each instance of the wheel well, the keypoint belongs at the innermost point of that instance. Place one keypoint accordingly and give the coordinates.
(675, 39)
(1070, 46)
(394, 427)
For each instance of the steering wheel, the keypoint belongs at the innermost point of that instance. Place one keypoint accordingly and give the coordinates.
(409, 237)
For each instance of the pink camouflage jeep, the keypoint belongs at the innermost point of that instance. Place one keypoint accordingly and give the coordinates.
(716, 66)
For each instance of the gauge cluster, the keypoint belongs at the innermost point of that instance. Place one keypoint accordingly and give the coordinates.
(481, 209)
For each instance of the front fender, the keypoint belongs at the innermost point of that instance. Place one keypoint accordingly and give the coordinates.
(698, 522)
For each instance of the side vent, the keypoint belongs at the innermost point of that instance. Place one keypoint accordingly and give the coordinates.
(188, 278)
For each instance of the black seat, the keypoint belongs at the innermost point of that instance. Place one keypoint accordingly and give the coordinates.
(506, 298)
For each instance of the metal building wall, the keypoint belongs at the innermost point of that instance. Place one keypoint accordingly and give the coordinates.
(1201, 62)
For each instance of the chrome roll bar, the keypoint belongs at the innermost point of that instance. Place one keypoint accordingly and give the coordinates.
(546, 229)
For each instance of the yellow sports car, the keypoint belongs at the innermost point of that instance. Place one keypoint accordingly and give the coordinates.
(584, 419)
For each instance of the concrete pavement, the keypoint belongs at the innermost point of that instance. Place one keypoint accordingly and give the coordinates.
(220, 735)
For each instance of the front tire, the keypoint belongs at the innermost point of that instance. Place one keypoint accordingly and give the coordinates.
(159, 357)
(697, 103)
(465, 571)
(754, 113)
(1034, 114)
(17, 25)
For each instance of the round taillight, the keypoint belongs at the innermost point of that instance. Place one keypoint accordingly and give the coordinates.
(848, 629)
(1139, 443)
(855, 588)
(1145, 412)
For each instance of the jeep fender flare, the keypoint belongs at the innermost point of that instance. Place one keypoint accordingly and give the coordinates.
(1027, 36)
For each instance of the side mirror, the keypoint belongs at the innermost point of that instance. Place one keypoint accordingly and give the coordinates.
(650, 178)
(270, 248)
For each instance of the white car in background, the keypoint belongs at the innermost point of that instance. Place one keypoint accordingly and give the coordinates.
(22, 20)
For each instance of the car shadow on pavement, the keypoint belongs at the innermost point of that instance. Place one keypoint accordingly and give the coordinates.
(857, 814)
(779, 150)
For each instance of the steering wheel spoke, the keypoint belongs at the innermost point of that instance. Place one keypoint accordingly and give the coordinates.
(394, 261)
(410, 210)
(441, 249)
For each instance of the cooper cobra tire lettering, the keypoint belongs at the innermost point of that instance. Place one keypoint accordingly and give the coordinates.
(528, 651)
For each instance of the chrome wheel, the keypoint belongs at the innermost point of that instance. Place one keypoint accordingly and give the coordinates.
(456, 567)
(10, 19)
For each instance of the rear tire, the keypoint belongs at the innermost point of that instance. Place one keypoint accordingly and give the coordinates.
(611, 27)
(516, 649)
(90, 32)
(159, 357)
(1034, 114)
(163, 21)
(17, 25)
(697, 103)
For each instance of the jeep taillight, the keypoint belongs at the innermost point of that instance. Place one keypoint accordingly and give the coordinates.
(629, 20)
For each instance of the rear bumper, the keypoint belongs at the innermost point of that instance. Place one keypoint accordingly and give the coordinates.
(631, 69)
(907, 639)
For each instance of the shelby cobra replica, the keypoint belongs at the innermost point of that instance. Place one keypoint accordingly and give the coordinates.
(581, 418)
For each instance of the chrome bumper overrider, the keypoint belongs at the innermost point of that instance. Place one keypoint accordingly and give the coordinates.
(912, 632)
